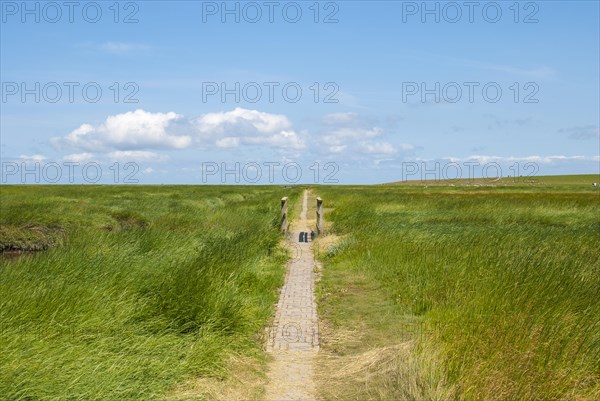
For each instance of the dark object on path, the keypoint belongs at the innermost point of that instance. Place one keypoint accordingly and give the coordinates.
(303, 237)
(312, 235)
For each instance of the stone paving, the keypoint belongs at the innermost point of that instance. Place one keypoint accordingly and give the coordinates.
(294, 337)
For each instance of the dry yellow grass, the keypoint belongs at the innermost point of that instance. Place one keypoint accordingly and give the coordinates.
(326, 242)
(245, 380)
(350, 367)
(394, 371)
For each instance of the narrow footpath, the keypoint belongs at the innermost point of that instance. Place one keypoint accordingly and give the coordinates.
(294, 336)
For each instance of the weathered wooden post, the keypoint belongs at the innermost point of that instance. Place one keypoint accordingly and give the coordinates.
(284, 219)
(319, 215)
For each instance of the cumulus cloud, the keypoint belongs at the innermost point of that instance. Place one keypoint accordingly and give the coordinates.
(358, 136)
(341, 138)
(228, 142)
(247, 127)
(128, 131)
(140, 130)
(337, 148)
(239, 117)
(352, 134)
(138, 135)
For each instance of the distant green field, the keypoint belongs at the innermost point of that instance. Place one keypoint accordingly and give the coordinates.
(573, 181)
(138, 288)
(462, 293)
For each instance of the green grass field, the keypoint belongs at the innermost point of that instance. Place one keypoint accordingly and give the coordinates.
(139, 288)
(427, 292)
(454, 293)
(567, 182)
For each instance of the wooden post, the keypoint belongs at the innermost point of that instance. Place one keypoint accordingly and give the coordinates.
(319, 215)
(284, 219)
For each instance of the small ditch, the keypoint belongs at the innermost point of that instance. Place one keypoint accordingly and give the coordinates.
(15, 256)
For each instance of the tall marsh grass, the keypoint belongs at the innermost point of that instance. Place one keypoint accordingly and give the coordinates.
(145, 287)
(503, 284)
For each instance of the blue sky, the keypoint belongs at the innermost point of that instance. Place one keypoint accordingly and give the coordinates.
(388, 105)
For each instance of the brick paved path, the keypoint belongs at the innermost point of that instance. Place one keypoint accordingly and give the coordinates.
(294, 337)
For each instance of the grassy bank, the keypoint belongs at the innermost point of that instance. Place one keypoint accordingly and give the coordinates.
(133, 290)
(455, 293)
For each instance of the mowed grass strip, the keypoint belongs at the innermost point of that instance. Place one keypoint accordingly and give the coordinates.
(135, 290)
(457, 294)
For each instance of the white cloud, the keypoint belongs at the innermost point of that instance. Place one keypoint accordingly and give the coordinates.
(135, 155)
(262, 122)
(379, 148)
(483, 159)
(337, 148)
(137, 135)
(356, 136)
(377, 162)
(339, 118)
(338, 139)
(228, 142)
(78, 157)
(132, 130)
(357, 133)
(133, 135)
(247, 127)
(34, 158)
